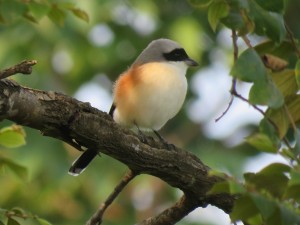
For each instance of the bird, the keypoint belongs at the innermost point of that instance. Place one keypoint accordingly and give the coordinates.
(149, 93)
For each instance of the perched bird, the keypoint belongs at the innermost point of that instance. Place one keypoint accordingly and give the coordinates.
(149, 93)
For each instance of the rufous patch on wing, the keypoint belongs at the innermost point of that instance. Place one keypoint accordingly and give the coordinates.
(125, 96)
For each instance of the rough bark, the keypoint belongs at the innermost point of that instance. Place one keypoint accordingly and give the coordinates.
(77, 123)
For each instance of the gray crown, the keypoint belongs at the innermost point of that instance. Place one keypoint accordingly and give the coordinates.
(154, 52)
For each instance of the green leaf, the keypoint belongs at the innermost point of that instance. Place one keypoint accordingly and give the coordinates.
(80, 14)
(297, 73)
(39, 9)
(275, 168)
(274, 5)
(287, 216)
(295, 178)
(267, 128)
(43, 221)
(284, 50)
(29, 17)
(270, 175)
(249, 67)
(3, 213)
(12, 9)
(286, 82)
(19, 170)
(57, 15)
(293, 190)
(243, 209)
(267, 23)
(18, 211)
(228, 186)
(266, 93)
(262, 142)
(265, 206)
(199, 3)
(11, 221)
(297, 139)
(216, 11)
(13, 136)
(280, 117)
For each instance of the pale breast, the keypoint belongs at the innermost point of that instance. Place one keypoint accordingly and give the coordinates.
(160, 94)
(155, 98)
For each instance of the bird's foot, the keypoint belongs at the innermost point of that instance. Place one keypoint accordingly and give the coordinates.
(143, 137)
(167, 145)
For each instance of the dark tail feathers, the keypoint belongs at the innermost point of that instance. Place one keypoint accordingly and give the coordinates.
(82, 162)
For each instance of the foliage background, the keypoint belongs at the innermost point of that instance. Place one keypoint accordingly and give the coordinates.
(83, 59)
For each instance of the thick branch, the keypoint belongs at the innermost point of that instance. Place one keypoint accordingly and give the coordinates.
(62, 117)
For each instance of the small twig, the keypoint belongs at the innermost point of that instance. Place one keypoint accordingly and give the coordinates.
(233, 84)
(173, 214)
(292, 39)
(96, 218)
(254, 106)
(247, 41)
(226, 110)
(25, 67)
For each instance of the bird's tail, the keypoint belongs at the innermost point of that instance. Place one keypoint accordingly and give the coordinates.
(82, 162)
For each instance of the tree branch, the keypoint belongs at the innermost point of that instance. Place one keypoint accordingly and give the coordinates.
(67, 119)
(25, 67)
(97, 217)
(170, 216)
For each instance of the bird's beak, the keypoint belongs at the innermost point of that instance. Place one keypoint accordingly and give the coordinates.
(191, 62)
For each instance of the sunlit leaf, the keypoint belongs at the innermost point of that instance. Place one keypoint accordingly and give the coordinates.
(43, 221)
(295, 178)
(262, 142)
(255, 220)
(274, 168)
(13, 136)
(297, 139)
(57, 15)
(293, 190)
(297, 73)
(80, 14)
(227, 187)
(280, 117)
(286, 82)
(19, 170)
(39, 9)
(30, 17)
(216, 11)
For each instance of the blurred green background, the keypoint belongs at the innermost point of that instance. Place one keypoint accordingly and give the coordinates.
(82, 60)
